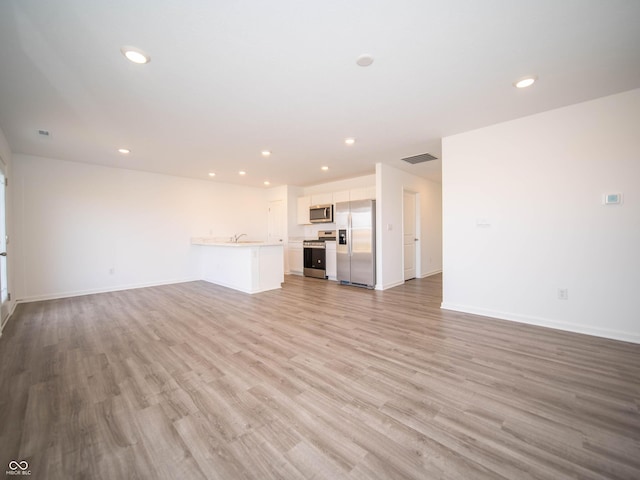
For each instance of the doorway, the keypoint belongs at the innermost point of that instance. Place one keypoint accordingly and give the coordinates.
(276, 228)
(4, 283)
(275, 222)
(410, 229)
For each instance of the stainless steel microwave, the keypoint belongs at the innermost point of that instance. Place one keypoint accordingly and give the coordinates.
(321, 214)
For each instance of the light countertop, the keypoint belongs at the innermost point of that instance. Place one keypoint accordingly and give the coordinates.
(217, 242)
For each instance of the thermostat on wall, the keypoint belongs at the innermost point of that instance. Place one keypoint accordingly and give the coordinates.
(612, 198)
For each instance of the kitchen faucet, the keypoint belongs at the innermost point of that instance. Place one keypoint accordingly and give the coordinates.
(235, 238)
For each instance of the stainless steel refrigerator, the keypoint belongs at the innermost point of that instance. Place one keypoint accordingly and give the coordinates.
(356, 242)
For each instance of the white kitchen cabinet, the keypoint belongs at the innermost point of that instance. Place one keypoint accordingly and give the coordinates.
(331, 264)
(342, 196)
(296, 258)
(303, 210)
(363, 193)
(322, 199)
(250, 267)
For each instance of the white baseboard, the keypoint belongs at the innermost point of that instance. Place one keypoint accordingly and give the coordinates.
(432, 272)
(545, 322)
(78, 293)
(239, 288)
(388, 286)
(12, 308)
(397, 284)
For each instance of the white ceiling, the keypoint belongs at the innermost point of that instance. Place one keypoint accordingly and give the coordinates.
(228, 79)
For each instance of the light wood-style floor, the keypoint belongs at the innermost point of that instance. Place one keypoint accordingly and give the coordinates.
(314, 381)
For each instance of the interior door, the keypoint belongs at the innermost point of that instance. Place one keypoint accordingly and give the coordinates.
(275, 222)
(410, 237)
(4, 291)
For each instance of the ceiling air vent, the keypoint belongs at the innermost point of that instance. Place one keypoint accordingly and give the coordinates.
(423, 157)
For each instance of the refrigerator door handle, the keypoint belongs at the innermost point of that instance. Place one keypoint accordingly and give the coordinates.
(349, 233)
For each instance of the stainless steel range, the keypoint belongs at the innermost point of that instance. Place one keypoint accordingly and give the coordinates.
(315, 254)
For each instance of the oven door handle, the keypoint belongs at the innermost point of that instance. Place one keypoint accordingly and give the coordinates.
(314, 246)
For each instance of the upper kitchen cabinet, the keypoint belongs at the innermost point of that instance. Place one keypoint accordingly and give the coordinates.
(322, 199)
(303, 210)
(363, 193)
(342, 196)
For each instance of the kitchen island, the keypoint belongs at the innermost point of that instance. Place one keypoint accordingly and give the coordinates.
(250, 267)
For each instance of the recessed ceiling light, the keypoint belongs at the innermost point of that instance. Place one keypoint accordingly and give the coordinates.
(350, 141)
(212, 174)
(364, 60)
(265, 153)
(267, 182)
(242, 172)
(324, 168)
(135, 55)
(124, 151)
(525, 82)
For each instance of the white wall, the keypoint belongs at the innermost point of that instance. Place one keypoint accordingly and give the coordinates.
(294, 230)
(391, 183)
(538, 181)
(75, 222)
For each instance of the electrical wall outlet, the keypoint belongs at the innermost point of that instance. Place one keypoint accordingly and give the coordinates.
(612, 199)
(563, 294)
